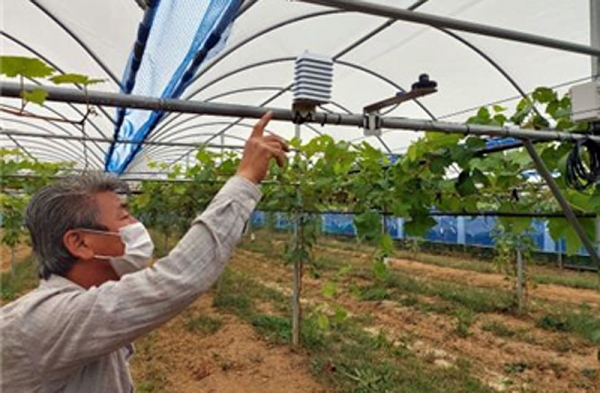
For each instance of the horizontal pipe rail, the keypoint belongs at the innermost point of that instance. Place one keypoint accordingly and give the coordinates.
(13, 90)
(4, 131)
(455, 24)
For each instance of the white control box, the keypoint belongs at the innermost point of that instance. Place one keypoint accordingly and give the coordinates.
(585, 101)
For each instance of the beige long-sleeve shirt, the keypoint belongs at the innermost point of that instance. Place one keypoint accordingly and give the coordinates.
(63, 338)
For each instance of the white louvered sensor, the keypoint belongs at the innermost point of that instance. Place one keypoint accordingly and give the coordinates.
(313, 79)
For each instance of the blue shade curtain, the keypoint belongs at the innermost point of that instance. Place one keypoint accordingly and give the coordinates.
(175, 38)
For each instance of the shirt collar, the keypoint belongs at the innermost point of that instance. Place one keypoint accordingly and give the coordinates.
(59, 282)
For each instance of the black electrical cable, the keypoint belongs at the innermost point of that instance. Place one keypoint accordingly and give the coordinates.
(582, 171)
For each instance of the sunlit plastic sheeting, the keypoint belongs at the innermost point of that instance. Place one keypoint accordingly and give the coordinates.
(180, 35)
(458, 230)
(257, 219)
(94, 39)
(446, 231)
(365, 70)
(392, 59)
(395, 227)
(339, 224)
(478, 231)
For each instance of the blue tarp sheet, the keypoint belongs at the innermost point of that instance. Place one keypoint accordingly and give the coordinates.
(471, 231)
(174, 39)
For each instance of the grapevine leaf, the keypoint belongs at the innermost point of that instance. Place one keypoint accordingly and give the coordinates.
(465, 185)
(37, 96)
(381, 271)
(400, 208)
(329, 289)
(27, 67)
(323, 322)
(544, 95)
(368, 225)
(340, 314)
(386, 244)
(77, 79)
(419, 225)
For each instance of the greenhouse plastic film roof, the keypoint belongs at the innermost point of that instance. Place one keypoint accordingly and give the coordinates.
(374, 58)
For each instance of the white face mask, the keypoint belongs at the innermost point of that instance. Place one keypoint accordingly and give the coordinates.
(138, 249)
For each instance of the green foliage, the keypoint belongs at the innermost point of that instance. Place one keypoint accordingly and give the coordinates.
(499, 329)
(15, 66)
(579, 280)
(342, 354)
(583, 322)
(380, 271)
(33, 68)
(16, 190)
(203, 324)
(233, 302)
(508, 243)
(477, 300)
(23, 278)
(37, 96)
(77, 79)
(419, 225)
(374, 293)
(275, 328)
(441, 171)
(368, 225)
(329, 289)
(464, 320)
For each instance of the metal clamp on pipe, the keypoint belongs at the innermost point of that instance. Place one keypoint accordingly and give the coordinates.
(304, 111)
(372, 122)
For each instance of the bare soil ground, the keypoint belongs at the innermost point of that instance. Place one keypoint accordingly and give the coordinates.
(543, 291)
(236, 359)
(483, 280)
(233, 359)
(532, 360)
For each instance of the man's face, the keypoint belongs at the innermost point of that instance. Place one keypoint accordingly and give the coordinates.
(112, 214)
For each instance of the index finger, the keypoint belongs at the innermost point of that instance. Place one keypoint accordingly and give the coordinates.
(259, 128)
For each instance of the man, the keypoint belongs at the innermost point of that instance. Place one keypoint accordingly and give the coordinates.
(74, 332)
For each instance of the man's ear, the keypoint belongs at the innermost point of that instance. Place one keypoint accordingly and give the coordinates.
(75, 242)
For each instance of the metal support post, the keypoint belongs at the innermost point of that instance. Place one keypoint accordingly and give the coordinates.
(297, 285)
(520, 280)
(222, 143)
(298, 242)
(9, 89)
(564, 204)
(597, 239)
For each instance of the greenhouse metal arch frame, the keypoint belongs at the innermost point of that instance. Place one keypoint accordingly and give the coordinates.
(356, 120)
(249, 7)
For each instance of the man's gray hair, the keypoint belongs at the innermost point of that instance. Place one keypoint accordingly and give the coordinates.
(59, 207)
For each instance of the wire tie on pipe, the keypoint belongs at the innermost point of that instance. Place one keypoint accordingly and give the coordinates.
(162, 104)
(468, 130)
